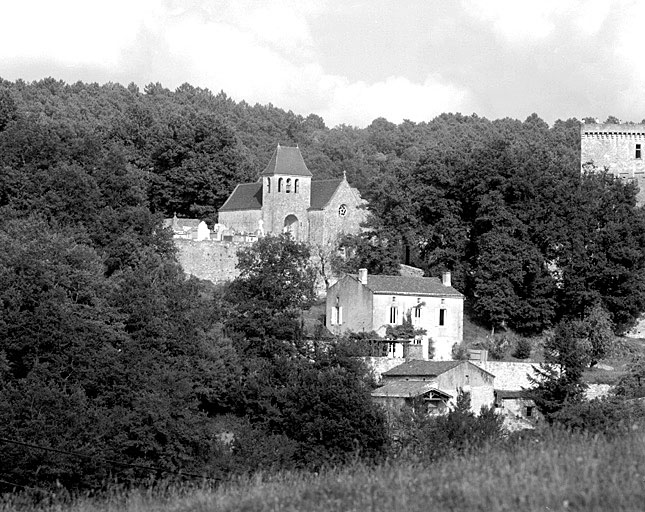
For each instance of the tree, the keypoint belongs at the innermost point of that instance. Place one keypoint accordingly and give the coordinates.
(368, 251)
(559, 378)
(276, 282)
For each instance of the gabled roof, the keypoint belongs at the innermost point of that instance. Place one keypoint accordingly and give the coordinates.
(422, 368)
(405, 285)
(408, 389)
(286, 160)
(322, 191)
(246, 196)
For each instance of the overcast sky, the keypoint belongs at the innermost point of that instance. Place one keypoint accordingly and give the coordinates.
(348, 61)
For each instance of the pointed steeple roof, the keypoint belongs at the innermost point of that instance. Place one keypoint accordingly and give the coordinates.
(286, 160)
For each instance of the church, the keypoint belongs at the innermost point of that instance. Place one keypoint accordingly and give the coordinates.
(286, 199)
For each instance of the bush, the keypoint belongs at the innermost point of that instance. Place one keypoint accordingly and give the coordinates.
(420, 436)
(609, 416)
(522, 349)
(459, 352)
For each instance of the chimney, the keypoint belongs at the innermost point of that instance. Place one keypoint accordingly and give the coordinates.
(362, 275)
(445, 279)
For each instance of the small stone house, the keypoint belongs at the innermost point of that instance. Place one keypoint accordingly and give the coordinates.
(287, 199)
(364, 303)
(436, 383)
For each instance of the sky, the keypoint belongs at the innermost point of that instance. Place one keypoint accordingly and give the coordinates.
(348, 61)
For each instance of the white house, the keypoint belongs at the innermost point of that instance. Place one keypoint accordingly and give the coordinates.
(365, 303)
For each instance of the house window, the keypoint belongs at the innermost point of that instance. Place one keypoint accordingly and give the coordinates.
(337, 315)
(296, 183)
(442, 317)
(268, 185)
(529, 411)
(279, 184)
(394, 314)
(342, 210)
(638, 151)
(288, 185)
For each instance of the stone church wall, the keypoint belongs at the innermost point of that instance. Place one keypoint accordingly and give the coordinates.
(336, 224)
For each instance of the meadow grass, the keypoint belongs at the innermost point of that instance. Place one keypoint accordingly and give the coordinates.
(559, 471)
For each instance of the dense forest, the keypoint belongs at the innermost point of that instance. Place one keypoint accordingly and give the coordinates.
(107, 351)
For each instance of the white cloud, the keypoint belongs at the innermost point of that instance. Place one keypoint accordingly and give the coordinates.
(524, 21)
(70, 32)
(395, 98)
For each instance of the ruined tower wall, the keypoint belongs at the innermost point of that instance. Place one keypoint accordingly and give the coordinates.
(618, 147)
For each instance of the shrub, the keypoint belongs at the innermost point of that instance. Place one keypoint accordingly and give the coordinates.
(428, 437)
(609, 416)
(522, 348)
(459, 352)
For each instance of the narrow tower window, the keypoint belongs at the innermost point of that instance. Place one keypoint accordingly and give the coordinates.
(295, 186)
(288, 185)
(638, 151)
(268, 185)
(279, 184)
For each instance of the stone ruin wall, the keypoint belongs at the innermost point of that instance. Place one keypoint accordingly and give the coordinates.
(215, 261)
(209, 259)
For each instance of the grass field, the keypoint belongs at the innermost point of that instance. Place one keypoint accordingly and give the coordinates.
(557, 473)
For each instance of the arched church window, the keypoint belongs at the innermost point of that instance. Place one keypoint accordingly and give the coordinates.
(295, 186)
(268, 185)
(288, 185)
(279, 184)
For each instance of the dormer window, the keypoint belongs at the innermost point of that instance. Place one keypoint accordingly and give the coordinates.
(288, 186)
(279, 184)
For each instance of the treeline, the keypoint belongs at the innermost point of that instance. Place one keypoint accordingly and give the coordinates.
(500, 203)
(108, 352)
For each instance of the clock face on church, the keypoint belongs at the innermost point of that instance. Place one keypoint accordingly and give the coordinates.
(342, 210)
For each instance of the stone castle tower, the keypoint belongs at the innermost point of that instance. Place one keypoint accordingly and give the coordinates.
(618, 147)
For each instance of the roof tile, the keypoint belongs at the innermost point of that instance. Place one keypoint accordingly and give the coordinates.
(246, 196)
(405, 285)
(286, 160)
(407, 389)
(422, 368)
(322, 192)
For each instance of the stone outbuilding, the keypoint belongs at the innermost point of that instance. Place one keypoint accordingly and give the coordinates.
(287, 199)
(365, 303)
(437, 383)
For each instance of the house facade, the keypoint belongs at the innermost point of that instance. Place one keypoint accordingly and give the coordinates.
(287, 199)
(364, 303)
(437, 383)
